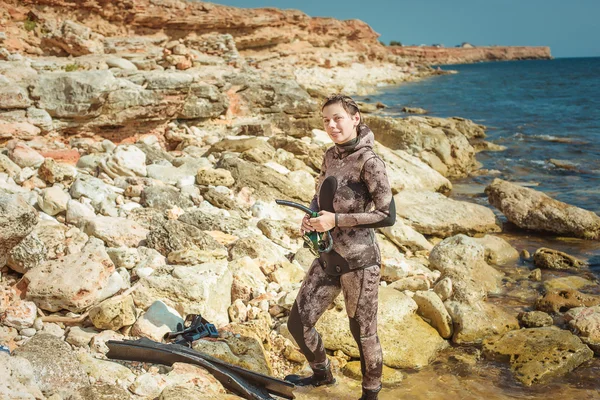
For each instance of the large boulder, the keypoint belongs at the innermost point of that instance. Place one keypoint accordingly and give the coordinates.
(462, 259)
(406, 340)
(267, 183)
(17, 219)
(434, 214)
(73, 282)
(55, 366)
(407, 172)
(116, 231)
(533, 210)
(182, 243)
(538, 355)
(585, 322)
(444, 148)
(199, 289)
(472, 323)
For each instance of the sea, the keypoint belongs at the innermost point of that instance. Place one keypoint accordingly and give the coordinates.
(547, 115)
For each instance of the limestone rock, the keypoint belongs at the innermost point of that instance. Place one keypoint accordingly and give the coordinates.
(116, 231)
(23, 155)
(113, 313)
(406, 237)
(105, 371)
(533, 210)
(573, 282)
(164, 198)
(73, 282)
(473, 323)
(54, 364)
(462, 259)
(556, 260)
(201, 289)
(432, 309)
(407, 172)
(126, 160)
(396, 314)
(434, 214)
(53, 200)
(256, 246)
(535, 319)
(497, 250)
(18, 378)
(391, 377)
(17, 219)
(28, 254)
(585, 322)
(206, 221)
(79, 336)
(55, 172)
(268, 184)
(538, 355)
(563, 300)
(243, 351)
(158, 320)
(8, 166)
(214, 177)
(182, 243)
(19, 314)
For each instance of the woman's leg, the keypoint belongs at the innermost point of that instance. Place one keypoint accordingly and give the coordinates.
(317, 292)
(360, 290)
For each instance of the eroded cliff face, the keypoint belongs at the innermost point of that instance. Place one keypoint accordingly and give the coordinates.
(259, 34)
(460, 55)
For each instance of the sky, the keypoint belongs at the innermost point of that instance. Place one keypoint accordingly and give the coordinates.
(570, 28)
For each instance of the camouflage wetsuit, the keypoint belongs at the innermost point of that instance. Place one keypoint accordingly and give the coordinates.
(362, 202)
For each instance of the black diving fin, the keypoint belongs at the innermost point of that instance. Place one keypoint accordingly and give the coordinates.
(245, 383)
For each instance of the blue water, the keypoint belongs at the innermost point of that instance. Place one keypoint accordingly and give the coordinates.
(538, 109)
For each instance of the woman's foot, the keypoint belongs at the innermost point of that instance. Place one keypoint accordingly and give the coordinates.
(370, 394)
(320, 376)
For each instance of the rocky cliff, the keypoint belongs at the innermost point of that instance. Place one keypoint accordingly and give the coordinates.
(460, 55)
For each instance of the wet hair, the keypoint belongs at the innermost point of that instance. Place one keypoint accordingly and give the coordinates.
(347, 104)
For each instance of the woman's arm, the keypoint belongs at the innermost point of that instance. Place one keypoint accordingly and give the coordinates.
(375, 177)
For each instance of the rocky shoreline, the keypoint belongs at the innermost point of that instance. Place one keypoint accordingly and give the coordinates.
(466, 55)
(138, 172)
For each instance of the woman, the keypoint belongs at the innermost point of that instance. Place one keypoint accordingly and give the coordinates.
(363, 201)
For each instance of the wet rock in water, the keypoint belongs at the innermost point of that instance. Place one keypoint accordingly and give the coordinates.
(533, 210)
(473, 323)
(563, 164)
(538, 355)
(585, 322)
(73, 282)
(396, 319)
(158, 320)
(183, 243)
(556, 260)
(414, 110)
(54, 364)
(434, 214)
(18, 378)
(391, 377)
(567, 282)
(432, 309)
(563, 300)
(525, 255)
(17, 219)
(462, 259)
(536, 275)
(497, 250)
(535, 319)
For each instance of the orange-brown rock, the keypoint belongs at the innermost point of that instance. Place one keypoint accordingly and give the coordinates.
(564, 300)
(460, 55)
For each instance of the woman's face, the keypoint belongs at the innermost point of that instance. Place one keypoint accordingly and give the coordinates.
(339, 125)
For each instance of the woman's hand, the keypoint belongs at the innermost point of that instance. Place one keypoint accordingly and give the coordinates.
(323, 223)
(306, 226)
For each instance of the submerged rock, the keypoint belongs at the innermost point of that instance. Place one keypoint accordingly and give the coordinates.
(530, 209)
(538, 355)
(563, 300)
(556, 260)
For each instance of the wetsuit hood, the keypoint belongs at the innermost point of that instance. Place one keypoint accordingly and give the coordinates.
(364, 139)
